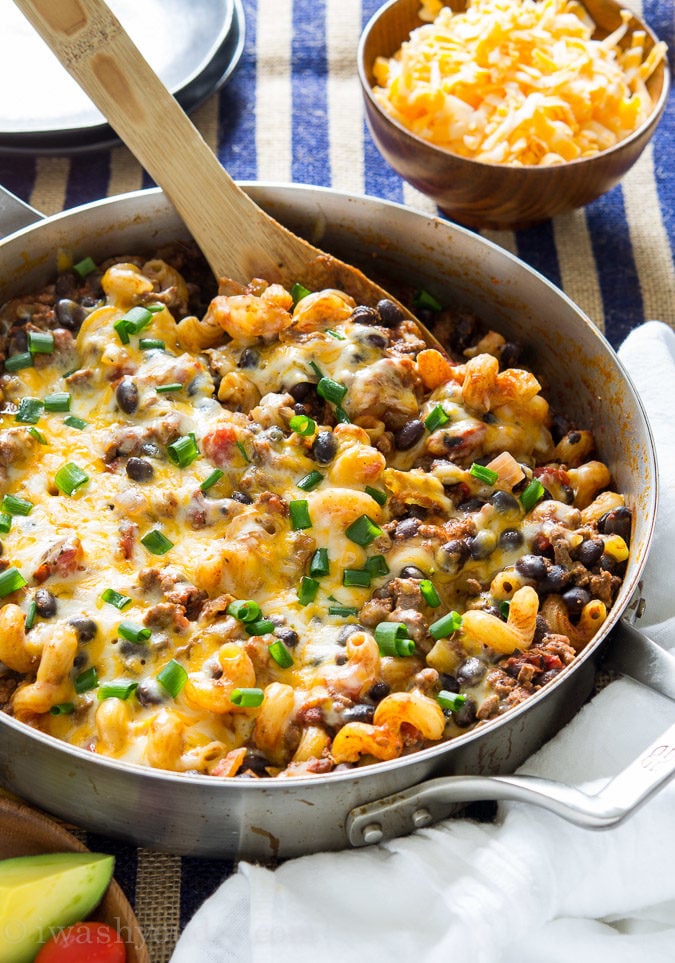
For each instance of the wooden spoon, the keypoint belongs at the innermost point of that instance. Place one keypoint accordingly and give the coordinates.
(238, 239)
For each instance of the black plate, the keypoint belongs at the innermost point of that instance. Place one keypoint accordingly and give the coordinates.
(202, 76)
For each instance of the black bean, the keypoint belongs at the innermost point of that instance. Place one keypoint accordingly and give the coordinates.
(471, 505)
(302, 390)
(465, 716)
(617, 522)
(510, 355)
(378, 691)
(510, 538)
(575, 599)
(241, 497)
(470, 671)
(377, 340)
(483, 544)
(80, 660)
(412, 571)
(149, 693)
(140, 470)
(505, 503)
(249, 358)
(532, 566)
(452, 556)
(347, 631)
(66, 284)
(448, 682)
(555, 581)
(408, 436)
(407, 528)
(324, 447)
(45, 603)
(390, 313)
(69, 313)
(358, 713)
(609, 564)
(362, 314)
(150, 449)
(288, 636)
(256, 762)
(85, 629)
(126, 395)
(541, 628)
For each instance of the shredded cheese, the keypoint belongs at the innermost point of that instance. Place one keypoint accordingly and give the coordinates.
(518, 82)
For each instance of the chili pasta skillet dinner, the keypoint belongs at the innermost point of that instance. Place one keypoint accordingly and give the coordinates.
(274, 533)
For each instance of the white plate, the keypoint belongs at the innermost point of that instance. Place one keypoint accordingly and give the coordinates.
(178, 38)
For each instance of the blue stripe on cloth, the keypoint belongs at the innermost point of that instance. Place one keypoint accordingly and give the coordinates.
(18, 175)
(236, 112)
(617, 274)
(126, 860)
(309, 74)
(659, 16)
(536, 246)
(88, 178)
(199, 876)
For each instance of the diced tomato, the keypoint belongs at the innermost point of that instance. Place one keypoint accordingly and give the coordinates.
(218, 445)
(84, 943)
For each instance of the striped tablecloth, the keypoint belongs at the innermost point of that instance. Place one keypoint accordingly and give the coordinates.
(292, 112)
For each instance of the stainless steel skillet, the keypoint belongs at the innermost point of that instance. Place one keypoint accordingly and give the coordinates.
(280, 818)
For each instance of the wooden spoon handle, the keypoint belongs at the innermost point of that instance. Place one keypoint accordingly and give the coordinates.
(237, 238)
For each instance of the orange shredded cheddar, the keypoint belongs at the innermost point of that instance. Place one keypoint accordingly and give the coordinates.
(518, 82)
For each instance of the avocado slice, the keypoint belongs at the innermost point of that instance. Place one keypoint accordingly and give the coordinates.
(40, 894)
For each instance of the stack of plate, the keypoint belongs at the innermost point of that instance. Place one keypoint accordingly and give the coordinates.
(193, 45)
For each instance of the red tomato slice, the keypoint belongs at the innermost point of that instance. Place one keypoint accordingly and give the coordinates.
(84, 943)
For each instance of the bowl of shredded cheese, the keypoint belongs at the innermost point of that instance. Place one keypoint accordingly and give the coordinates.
(509, 112)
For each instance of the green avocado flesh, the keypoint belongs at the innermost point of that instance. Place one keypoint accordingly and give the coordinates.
(41, 894)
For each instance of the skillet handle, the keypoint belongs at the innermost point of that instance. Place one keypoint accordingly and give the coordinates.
(423, 805)
(14, 213)
(634, 654)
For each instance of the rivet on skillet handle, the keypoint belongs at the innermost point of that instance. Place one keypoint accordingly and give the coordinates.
(419, 806)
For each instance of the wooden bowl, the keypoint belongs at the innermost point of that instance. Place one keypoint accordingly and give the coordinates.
(27, 832)
(479, 194)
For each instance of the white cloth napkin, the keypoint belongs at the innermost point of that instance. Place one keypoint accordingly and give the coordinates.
(529, 888)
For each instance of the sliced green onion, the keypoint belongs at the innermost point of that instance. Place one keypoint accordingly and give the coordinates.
(133, 632)
(123, 330)
(377, 494)
(280, 654)
(260, 627)
(302, 425)
(59, 401)
(84, 267)
(335, 334)
(363, 531)
(244, 453)
(116, 598)
(377, 565)
(309, 482)
(356, 578)
(30, 411)
(319, 564)
(307, 590)
(5, 522)
(14, 505)
(298, 292)
(147, 344)
(183, 451)
(484, 474)
(40, 342)
(299, 510)
(392, 639)
(16, 362)
(116, 690)
(422, 299)
(532, 494)
(436, 418)
(316, 369)
(87, 680)
(156, 542)
(341, 416)
(244, 610)
(37, 435)
(172, 677)
(248, 698)
(30, 616)
(212, 479)
(62, 709)
(165, 389)
(450, 700)
(70, 477)
(343, 610)
(331, 390)
(429, 593)
(504, 608)
(74, 422)
(138, 318)
(445, 626)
